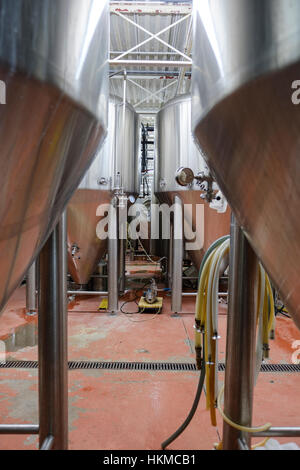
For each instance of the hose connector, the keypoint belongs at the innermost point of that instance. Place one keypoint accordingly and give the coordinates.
(197, 326)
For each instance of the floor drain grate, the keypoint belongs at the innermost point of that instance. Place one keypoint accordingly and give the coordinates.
(152, 366)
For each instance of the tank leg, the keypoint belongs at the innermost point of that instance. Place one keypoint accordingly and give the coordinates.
(122, 243)
(177, 256)
(52, 341)
(31, 301)
(113, 287)
(240, 352)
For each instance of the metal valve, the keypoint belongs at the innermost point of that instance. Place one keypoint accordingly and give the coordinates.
(74, 249)
(184, 176)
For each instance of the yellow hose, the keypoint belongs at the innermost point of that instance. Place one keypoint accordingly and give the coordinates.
(254, 429)
(206, 318)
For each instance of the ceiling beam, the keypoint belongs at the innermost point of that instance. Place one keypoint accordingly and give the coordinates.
(153, 36)
(151, 63)
(148, 74)
(151, 8)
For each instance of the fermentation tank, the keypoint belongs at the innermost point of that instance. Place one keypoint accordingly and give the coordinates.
(54, 83)
(246, 118)
(175, 149)
(115, 167)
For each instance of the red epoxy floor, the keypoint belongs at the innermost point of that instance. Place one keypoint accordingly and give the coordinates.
(134, 409)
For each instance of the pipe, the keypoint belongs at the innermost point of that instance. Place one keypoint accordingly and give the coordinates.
(113, 290)
(99, 276)
(48, 443)
(86, 292)
(241, 341)
(177, 257)
(284, 431)
(19, 428)
(194, 294)
(31, 303)
(52, 339)
(193, 409)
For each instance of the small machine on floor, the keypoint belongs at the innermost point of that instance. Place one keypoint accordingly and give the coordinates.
(150, 303)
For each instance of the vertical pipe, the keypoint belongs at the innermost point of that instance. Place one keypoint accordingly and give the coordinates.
(31, 307)
(177, 255)
(122, 264)
(241, 326)
(113, 288)
(52, 339)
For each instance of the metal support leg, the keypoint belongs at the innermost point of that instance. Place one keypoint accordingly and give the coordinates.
(122, 264)
(113, 288)
(122, 237)
(177, 256)
(170, 256)
(52, 341)
(31, 303)
(240, 353)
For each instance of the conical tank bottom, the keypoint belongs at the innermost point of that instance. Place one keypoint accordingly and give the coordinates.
(52, 122)
(85, 249)
(252, 142)
(47, 142)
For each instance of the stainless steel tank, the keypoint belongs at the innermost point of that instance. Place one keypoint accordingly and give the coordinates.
(54, 83)
(116, 165)
(175, 148)
(246, 117)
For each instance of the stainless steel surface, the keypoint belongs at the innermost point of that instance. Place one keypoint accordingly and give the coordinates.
(280, 431)
(247, 125)
(53, 339)
(113, 278)
(48, 443)
(99, 280)
(241, 337)
(175, 149)
(175, 146)
(119, 155)
(19, 428)
(86, 292)
(177, 256)
(122, 264)
(242, 445)
(31, 298)
(170, 255)
(53, 121)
